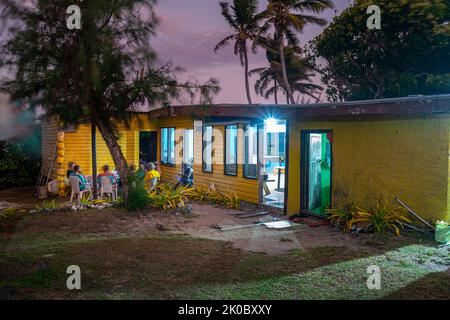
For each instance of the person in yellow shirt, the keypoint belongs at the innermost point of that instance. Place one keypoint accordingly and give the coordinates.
(152, 177)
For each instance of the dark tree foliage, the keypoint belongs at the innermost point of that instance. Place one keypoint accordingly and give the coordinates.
(241, 17)
(98, 73)
(299, 71)
(287, 18)
(20, 161)
(409, 55)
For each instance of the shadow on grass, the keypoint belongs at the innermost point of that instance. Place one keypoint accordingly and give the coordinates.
(171, 267)
(433, 286)
(115, 262)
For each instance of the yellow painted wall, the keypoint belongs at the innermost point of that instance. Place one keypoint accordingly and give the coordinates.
(78, 147)
(246, 189)
(408, 158)
(170, 173)
(404, 158)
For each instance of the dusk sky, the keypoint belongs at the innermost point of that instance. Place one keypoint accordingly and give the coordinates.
(188, 33)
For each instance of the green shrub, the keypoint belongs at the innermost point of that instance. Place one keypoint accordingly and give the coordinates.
(47, 205)
(229, 200)
(384, 217)
(138, 198)
(166, 196)
(19, 163)
(343, 217)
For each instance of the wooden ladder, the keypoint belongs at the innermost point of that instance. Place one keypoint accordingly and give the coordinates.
(46, 177)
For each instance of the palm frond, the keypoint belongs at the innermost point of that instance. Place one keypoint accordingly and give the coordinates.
(228, 15)
(224, 42)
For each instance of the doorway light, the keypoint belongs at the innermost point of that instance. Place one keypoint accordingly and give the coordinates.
(273, 125)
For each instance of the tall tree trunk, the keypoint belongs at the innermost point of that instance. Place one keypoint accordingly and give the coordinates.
(89, 41)
(276, 91)
(117, 155)
(284, 72)
(247, 82)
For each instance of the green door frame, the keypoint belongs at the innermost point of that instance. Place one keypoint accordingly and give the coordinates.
(304, 171)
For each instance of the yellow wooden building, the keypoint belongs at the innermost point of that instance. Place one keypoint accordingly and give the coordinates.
(297, 158)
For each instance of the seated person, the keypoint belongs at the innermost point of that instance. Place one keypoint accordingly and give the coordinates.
(141, 172)
(187, 178)
(151, 177)
(107, 173)
(83, 181)
(69, 171)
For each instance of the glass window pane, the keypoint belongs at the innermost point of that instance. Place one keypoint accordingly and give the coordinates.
(207, 148)
(171, 146)
(188, 147)
(231, 150)
(251, 151)
(164, 151)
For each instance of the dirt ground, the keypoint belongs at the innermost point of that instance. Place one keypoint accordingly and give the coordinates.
(255, 238)
(159, 255)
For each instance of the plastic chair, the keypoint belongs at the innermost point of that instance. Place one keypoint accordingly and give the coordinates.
(75, 186)
(107, 187)
(52, 187)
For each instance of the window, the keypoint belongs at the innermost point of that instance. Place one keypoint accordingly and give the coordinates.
(168, 146)
(207, 149)
(231, 150)
(188, 147)
(251, 152)
(275, 144)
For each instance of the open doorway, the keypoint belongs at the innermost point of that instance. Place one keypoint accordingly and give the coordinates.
(148, 146)
(274, 162)
(316, 169)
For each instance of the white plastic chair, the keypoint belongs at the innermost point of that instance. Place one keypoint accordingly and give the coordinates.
(52, 187)
(107, 187)
(75, 186)
(66, 181)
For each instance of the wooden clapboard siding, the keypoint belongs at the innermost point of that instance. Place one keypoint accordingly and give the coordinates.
(132, 150)
(79, 148)
(103, 154)
(170, 173)
(49, 131)
(246, 189)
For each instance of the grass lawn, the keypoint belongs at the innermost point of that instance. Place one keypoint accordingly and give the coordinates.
(120, 261)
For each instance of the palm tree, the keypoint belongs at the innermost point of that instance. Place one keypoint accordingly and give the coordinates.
(299, 72)
(288, 17)
(241, 17)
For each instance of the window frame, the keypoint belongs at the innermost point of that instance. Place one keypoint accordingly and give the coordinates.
(167, 163)
(225, 145)
(185, 135)
(204, 170)
(244, 166)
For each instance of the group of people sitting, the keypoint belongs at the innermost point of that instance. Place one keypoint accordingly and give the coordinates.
(149, 173)
(75, 170)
